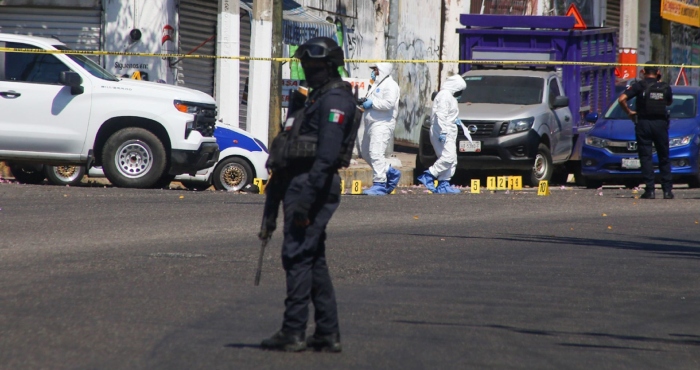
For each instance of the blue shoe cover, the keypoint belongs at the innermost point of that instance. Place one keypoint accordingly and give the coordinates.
(392, 179)
(445, 188)
(378, 188)
(427, 179)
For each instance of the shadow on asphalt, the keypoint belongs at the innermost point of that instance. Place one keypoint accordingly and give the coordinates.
(656, 245)
(688, 340)
(242, 345)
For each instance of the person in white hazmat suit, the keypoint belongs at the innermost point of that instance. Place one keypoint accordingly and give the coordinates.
(444, 126)
(381, 109)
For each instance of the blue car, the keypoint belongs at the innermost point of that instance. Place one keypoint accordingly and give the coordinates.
(609, 155)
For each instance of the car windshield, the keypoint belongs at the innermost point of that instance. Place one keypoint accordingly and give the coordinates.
(503, 90)
(683, 106)
(89, 65)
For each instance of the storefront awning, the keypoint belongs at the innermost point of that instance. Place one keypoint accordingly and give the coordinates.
(298, 24)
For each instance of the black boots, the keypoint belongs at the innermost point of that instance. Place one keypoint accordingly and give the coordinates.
(668, 195)
(325, 343)
(285, 341)
(648, 194)
(294, 342)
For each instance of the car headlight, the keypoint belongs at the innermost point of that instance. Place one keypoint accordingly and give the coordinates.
(596, 142)
(679, 141)
(520, 125)
(185, 107)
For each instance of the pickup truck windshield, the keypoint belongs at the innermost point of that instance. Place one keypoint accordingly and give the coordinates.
(683, 106)
(90, 66)
(503, 90)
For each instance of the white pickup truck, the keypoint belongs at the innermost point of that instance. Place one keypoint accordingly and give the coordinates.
(64, 109)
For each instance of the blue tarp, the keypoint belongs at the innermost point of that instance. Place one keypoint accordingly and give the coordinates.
(298, 25)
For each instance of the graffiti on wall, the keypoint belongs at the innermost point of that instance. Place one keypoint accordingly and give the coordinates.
(414, 82)
(685, 49)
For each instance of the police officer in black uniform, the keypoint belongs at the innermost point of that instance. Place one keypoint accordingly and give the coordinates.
(310, 191)
(651, 127)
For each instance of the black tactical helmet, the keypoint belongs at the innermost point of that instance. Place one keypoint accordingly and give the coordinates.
(321, 48)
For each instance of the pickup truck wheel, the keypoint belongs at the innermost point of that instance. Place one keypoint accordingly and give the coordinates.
(134, 158)
(542, 168)
(64, 175)
(232, 174)
(28, 174)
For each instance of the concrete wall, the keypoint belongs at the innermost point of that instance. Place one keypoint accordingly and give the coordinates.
(150, 17)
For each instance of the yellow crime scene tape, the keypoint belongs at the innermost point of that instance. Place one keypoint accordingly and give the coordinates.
(395, 61)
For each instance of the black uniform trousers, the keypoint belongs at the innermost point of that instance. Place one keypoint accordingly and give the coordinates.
(654, 132)
(304, 259)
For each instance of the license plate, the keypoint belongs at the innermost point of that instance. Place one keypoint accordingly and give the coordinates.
(466, 146)
(631, 163)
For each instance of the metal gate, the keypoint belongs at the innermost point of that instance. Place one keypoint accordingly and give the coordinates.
(197, 35)
(78, 28)
(244, 69)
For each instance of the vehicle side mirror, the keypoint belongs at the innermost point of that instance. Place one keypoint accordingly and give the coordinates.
(73, 80)
(560, 102)
(591, 117)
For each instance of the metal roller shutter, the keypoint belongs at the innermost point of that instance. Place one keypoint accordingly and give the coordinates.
(244, 68)
(197, 31)
(612, 16)
(79, 28)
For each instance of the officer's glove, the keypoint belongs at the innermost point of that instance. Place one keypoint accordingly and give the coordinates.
(301, 214)
(458, 122)
(442, 138)
(267, 227)
(367, 104)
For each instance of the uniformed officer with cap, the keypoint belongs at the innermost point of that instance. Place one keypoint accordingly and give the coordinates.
(651, 127)
(310, 195)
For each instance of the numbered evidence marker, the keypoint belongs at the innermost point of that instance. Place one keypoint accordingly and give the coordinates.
(259, 183)
(515, 182)
(491, 183)
(475, 188)
(356, 187)
(502, 183)
(342, 186)
(543, 188)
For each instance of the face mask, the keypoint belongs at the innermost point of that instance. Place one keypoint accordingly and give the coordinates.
(373, 76)
(316, 77)
(458, 94)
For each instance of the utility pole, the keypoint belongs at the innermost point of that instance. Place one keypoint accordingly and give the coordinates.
(391, 46)
(276, 72)
(259, 84)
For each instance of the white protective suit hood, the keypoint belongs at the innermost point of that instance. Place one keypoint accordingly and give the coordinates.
(453, 84)
(385, 70)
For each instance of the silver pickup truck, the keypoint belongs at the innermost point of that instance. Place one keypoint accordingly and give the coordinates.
(519, 121)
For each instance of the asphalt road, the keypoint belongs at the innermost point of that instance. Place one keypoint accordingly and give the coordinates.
(107, 278)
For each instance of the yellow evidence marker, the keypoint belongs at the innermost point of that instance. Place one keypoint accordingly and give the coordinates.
(475, 188)
(543, 188)
(491, 183)
(356, 187)
(502, 183)
(342, 186)
(259, 183)
(515, 182)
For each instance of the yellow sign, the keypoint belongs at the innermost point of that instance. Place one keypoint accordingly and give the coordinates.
(259, 183)
(136, 75)
(543, 188)
(342, 186)
(475, 188)
(501, 183)
(681, 11)
(356, 187)
(515, 182)
(491, 183)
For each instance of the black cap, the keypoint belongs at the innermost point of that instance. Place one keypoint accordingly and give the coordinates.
(651, 67)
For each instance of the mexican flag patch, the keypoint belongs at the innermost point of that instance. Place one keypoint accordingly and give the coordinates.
(336, 116)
